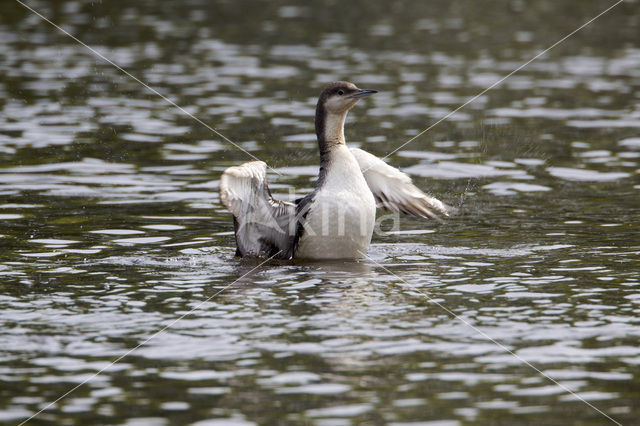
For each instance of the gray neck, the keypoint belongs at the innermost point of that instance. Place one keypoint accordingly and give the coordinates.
(330, 133)
(329, 130)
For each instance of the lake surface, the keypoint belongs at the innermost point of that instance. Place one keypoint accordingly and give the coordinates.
(111, 228)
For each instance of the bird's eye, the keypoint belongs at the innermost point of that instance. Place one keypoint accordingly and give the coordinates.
(340, 92)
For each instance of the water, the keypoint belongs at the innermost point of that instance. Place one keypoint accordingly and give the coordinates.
(112, 227)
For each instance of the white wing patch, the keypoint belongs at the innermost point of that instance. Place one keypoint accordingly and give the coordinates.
(263, 225)
(395, 191)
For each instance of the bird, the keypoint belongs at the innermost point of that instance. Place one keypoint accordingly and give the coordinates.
(336, 220)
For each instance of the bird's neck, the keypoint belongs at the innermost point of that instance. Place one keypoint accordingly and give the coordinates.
(329, 130)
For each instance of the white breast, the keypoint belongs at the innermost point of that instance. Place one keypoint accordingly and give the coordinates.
(341, 218)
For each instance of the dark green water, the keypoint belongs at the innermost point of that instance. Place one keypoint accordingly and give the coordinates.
(111, 226)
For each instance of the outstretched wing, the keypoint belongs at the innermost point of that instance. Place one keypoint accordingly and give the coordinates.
(263, 225)
(395, 191)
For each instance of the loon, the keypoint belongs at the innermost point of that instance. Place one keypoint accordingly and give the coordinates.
(336, 220)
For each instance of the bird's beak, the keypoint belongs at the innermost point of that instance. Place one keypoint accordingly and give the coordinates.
(362, 93)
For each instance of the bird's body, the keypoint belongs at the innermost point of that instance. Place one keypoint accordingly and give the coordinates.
(336, 220)
(342, 213)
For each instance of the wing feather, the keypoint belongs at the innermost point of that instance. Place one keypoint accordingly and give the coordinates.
(263, 225)
(394, 190)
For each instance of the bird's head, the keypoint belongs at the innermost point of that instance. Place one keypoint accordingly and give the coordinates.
(338, 97)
